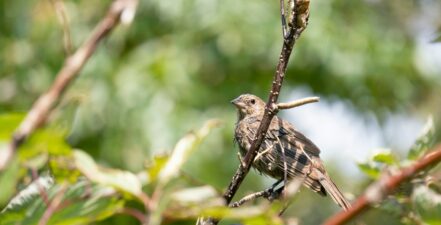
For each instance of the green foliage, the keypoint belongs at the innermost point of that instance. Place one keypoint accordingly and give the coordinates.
(385, 157)
(414, 202)
(370, 169)
(377, 163)
(33, 154)
(84, 203)
(121, 180)
(9, 123)
(155, 166)
(8, 182)
(424, 142)
(427, 204)
(105, 191)
(183, 150)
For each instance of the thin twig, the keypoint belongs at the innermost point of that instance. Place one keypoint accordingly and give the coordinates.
(146, 201)
(41, 109)
(268, 193)
(249, 197)
(53, 206)
(299, 23)
(297, 103)
(60, 9)
(377, 191)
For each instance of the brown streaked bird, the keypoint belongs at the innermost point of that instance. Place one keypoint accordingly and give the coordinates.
(301, 155)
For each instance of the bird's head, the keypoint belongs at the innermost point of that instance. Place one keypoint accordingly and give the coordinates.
(248, 105)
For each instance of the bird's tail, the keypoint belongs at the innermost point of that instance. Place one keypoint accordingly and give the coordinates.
(333, 191)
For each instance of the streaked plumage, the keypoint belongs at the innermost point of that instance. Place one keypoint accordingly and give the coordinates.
(301, 155)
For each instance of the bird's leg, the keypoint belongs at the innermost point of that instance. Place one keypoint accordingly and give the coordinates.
(275, 184)
(272, 194)
(276, 194)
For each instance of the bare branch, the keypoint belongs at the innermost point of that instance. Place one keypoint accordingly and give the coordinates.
(377, 191)
(298, 24)
(41, 109)
(297, 103)
(250, 197)
(289, 191)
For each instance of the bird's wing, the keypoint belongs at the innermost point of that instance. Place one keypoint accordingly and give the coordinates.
(288, 134)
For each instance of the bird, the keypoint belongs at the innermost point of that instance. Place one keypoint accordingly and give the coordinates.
(283, 149)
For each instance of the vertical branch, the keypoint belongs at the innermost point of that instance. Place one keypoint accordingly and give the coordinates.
(41, 109)
(297, 25)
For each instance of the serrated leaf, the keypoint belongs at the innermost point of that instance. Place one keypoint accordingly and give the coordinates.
(370, 170)
(77, 208)
(424, 142)
(427, 204)
(385, 157)
(183, 150)
(119, 179)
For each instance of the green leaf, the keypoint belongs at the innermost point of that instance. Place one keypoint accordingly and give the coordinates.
(158, 162)
(8, 182)
(183, 150)
(370, 169)
(424, 142)
(385, 157)
(83, 203)
(63, 168)
(121, 180)
(49, 143)
(45, 141)
(9, 122)
(427, 204)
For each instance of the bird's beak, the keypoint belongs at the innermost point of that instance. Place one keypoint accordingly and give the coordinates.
(237, 102)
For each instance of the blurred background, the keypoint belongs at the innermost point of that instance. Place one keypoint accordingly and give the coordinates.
(375, 64)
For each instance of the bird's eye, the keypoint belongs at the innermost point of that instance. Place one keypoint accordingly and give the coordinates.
(253, 101)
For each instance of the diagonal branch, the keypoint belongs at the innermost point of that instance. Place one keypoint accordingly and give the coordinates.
(297, 25)
(54, 204)
(41, 109)
(377, 191)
